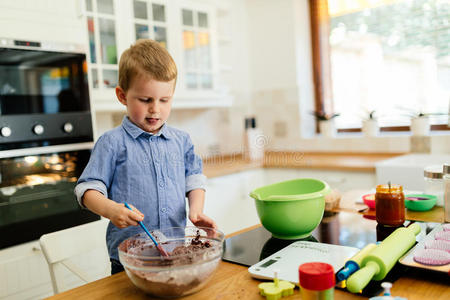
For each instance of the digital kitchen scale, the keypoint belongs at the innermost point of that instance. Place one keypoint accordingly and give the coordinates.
(287, 260)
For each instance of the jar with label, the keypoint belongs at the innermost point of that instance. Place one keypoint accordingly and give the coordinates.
(434, 184)
(390, 204)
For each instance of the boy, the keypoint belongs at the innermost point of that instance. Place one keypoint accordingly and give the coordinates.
(144, 162)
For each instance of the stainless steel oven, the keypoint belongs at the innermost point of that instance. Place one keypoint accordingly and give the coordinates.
(45, 138)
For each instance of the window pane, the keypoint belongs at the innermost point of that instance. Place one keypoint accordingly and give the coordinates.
(108, 41)
(110, 78)
(202, 20)
(160, 35)
(89, 5)
(90, 24)
(140, 9)
(204, 51)
(392, 59)
(206, 81)
(159, 13)
(105, 6)
(189, 49)
(188, 17)
(141, 31)
(94, 78)
(191, 80)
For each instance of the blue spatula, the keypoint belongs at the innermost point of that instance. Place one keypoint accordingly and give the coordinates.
(158, 246)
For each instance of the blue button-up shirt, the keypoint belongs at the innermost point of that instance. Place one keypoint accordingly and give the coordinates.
(151, 172)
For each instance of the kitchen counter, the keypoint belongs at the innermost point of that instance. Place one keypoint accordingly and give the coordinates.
(349, 203)
(232, 281)
(363, 162)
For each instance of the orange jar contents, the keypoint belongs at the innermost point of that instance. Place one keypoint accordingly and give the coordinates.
(390, 205)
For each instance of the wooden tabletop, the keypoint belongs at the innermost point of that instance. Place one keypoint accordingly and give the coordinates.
(360, 162)
(232, 281)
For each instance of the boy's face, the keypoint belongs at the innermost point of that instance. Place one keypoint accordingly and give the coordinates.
(148, 102)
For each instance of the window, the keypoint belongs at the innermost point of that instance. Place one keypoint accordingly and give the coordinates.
(388, 56)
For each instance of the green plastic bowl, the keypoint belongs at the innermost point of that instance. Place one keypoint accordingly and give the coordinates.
(422, 204)
(291, 209)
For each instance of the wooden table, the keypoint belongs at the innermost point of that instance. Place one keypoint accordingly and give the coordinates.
(232, 281)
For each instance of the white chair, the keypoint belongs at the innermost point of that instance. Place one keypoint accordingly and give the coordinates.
(60, 246)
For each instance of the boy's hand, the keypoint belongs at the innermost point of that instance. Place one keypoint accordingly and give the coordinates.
(202, 220)
(122, 217)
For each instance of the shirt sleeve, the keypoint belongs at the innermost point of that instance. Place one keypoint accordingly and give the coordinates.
(99, 171)
(194, 168)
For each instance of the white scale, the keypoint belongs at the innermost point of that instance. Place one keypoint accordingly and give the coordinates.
(287, 260)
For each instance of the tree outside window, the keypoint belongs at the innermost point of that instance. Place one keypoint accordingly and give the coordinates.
(387, 56)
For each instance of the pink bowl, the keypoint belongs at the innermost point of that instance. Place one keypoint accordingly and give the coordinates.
(369, 200)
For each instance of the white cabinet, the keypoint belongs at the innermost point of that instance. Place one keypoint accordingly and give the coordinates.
(188, 30)
(228, 202)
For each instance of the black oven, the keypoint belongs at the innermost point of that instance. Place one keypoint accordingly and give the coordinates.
(45, 138)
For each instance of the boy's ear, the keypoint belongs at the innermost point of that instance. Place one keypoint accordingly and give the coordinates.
(121, 95)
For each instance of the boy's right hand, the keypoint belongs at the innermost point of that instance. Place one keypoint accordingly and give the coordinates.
(122, 217)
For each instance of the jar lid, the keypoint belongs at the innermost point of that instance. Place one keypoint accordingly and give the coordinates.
(446, 168)
(389, 188)
(316, 276)
(433, 172)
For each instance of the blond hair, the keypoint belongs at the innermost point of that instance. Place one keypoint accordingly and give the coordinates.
(146, 57)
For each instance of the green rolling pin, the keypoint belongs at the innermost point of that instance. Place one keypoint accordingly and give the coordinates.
(381, 260)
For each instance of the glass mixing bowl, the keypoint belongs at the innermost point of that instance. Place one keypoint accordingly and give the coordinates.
(195, 253)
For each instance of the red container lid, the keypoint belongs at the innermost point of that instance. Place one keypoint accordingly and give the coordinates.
(316, 276)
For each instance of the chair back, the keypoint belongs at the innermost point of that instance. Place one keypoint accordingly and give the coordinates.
(60, 247)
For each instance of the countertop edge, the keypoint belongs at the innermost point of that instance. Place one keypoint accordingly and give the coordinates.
(222, 165)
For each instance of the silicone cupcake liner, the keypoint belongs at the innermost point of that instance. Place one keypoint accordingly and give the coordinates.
(432, 257)
(438, 244)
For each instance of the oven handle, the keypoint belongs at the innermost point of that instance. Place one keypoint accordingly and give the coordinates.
(46, 149)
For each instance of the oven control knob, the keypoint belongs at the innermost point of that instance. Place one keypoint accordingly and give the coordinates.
(5, 131)
(68, 127)
(38, 129)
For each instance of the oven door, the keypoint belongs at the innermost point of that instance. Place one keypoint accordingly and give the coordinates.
(37, 195)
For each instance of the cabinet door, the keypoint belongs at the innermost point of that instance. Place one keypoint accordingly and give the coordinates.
(197, 56)
(150, 21)
(104, 31)
(102, 56)
(228, 202)
(197, 24)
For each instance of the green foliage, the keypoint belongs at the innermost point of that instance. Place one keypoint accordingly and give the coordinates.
(403, 24)
(322, 116)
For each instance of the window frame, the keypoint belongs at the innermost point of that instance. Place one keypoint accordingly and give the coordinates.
(321, 50)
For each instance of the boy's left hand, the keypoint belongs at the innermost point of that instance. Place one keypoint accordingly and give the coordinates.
(202, 220)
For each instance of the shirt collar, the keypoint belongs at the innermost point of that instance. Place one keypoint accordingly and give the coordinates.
(135, 131)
